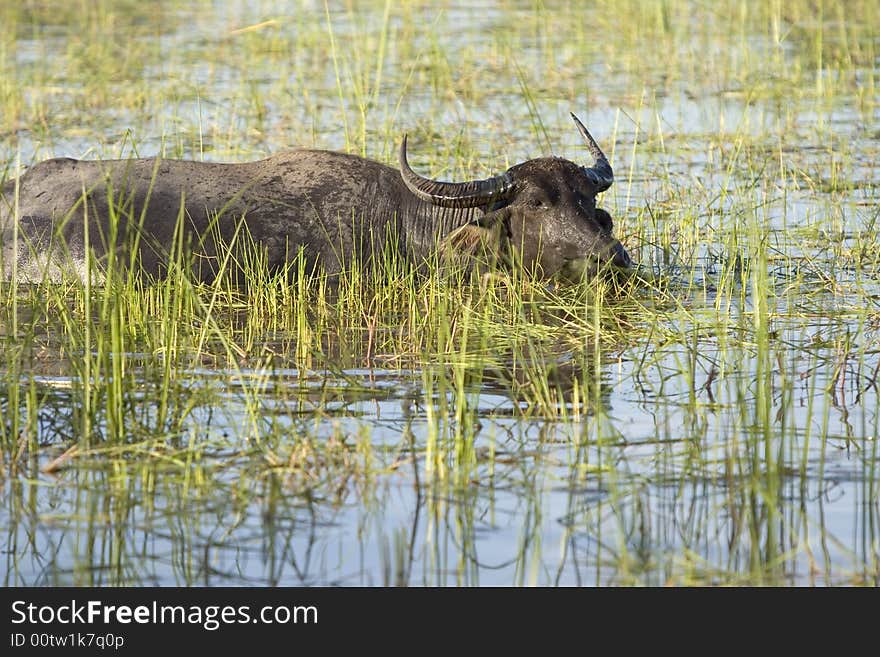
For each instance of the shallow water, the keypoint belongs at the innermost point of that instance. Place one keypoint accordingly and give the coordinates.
(645, 494)
(666, 474)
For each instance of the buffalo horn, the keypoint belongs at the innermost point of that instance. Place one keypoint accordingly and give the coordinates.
(600, 173)
(471, 194)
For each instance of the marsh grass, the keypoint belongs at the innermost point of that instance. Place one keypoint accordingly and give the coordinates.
(712, 420)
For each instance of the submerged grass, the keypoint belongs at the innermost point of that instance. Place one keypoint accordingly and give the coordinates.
(712, 421)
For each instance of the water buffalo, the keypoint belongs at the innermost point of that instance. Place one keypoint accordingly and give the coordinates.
(337, 210)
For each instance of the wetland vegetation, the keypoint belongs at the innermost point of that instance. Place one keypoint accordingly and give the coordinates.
(714, 421)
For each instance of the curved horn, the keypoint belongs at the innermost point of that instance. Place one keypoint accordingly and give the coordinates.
(469, 194)
(600, 173)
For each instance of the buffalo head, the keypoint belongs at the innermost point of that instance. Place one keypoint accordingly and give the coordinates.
(541, 213)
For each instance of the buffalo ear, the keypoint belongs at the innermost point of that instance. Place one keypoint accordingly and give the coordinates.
(604, 219)
(482, 239)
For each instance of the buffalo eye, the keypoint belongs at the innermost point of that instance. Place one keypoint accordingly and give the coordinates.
(583, 202)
